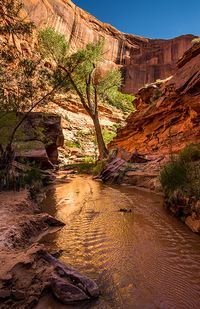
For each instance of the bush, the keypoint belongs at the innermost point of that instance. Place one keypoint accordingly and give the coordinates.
(72, 144)
(183, 172)
(12, 180)
(108, 136)
(32, 176)
(173, 176)
(88, 159)
(85, 167)
(99, 167)
(190, 153)
(124, 102)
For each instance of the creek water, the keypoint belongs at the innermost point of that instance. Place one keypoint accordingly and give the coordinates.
(144, 259)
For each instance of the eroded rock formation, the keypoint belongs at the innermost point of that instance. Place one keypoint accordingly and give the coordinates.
(168, 113)
(142, 60)
(27, 270)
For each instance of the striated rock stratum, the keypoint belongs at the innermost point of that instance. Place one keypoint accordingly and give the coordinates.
(168, 112)
(142, 60)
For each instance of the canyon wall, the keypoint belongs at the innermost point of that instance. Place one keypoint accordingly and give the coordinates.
(168, 113)
(142, 60)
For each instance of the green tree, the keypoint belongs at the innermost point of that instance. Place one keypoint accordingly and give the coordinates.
(24, 79)
(85, 75)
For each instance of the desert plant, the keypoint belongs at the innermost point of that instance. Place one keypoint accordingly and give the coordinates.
(98, 168)
(32, 176)
(173, 176)
(190, 153)
(72, 144)
(108, 135)
(183, 172)
(88, 159)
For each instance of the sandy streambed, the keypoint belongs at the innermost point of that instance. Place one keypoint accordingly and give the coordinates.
(27, 271)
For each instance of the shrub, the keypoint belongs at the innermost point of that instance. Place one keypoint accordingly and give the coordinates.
(124, 102)
(99, 167)
(173, 176)
(72, 144)
(85, 168)
(32, 176)
(88, 159)
(108, 136)
(190, 153)
(183, 173)
(193, 186)
(12, 180)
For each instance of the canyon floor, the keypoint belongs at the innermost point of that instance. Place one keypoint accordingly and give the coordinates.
(27, 270)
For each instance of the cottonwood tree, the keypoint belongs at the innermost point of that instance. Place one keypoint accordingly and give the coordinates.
(84, 75)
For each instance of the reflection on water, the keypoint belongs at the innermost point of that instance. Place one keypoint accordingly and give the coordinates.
(141, 260)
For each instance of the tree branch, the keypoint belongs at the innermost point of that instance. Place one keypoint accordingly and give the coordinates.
(30, 110)
(77, 90)
(88, 92)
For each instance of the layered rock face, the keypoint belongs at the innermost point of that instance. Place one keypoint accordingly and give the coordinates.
(142, 60)
(168, 113)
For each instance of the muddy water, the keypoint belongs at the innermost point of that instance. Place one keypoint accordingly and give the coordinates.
(141, 260)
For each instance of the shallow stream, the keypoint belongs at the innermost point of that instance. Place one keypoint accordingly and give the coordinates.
(144, 259)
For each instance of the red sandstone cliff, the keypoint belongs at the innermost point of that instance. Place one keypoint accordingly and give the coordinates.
(168, 115)
(142, 60)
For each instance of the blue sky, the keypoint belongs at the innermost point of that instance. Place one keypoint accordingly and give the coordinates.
(149, 18)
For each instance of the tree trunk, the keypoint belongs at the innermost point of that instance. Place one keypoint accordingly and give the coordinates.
(103, 152)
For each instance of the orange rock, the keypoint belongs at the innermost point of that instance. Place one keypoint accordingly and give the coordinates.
(142, 60)
(171, 121)
(193, 224)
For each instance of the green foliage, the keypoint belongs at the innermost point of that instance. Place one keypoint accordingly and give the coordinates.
(81, 167)
(121, 101)
(22, 79)
(72, 144)
(86, 71)
(29, 67)
(82, 67)
(109, 83)
(98, 168)
(109, 92)
(183, 173)
(88, 159)
(108, 135)
(190, 153)
(7, 123)
(173, 176)
(53, 45)
(12, 180)
(88, 167)
(33, 175)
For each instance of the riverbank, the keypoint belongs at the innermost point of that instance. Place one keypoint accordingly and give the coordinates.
(27, 270)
